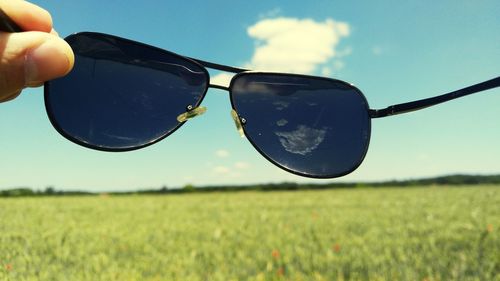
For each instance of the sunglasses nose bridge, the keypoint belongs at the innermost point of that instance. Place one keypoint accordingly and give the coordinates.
(191, 112)
(239, 122)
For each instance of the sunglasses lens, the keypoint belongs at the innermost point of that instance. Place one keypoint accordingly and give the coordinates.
(314, 127)
(122, 95)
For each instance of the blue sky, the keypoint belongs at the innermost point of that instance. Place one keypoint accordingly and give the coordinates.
(394, 51)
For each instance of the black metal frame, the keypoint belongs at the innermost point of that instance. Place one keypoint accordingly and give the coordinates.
(388, 111)
(249, 138)
(424, 103)
(372, 113)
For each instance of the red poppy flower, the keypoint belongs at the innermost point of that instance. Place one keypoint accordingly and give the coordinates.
(276, 254)
(336, 248)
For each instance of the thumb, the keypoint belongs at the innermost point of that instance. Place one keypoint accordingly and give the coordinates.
(27, 59)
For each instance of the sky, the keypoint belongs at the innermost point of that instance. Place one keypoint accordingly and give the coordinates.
(393, 51)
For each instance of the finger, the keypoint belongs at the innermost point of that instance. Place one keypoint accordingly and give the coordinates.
(28, 16)
(30, 58)
(10, 96)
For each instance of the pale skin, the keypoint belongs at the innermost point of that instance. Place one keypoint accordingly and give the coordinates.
(28, 59)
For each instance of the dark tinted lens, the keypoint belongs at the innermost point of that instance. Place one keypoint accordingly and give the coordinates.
(311, 126)
(122, 94)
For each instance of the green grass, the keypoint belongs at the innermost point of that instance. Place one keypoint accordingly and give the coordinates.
(350, 234)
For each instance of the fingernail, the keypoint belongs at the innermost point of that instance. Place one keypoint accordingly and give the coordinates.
(45, 62)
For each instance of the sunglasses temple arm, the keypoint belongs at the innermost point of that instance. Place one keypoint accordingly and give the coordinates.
(7, 24)
(421, 104)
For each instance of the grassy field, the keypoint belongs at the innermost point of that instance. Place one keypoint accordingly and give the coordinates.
(351, 234)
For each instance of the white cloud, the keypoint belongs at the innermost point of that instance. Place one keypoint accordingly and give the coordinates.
(224, 172)
(344, 52)
(271, 13)
(222, 153)
(338, 65)
(326, 71)
(221, 170)
(241, 165)
(296, 45)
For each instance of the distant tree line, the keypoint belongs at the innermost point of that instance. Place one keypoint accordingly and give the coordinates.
(49, 191)
(445, 180)
(452, 180)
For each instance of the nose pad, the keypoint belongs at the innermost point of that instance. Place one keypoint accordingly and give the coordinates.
(239, 122)
(191, 112)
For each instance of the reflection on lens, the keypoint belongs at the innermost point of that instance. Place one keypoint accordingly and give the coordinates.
(121, 94)
(303, 140)
(311, 126)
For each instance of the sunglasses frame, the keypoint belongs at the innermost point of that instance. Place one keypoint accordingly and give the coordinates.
(239, 72)
(299, 173)
(60, 130)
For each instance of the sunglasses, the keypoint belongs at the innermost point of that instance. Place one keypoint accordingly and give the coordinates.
(123, 95)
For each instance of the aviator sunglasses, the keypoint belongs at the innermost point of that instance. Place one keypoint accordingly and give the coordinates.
(124, 95)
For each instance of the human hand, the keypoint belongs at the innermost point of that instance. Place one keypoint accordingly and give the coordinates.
(27, 59)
